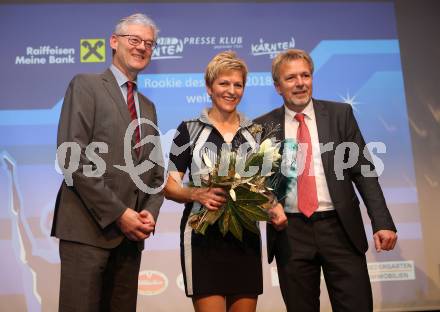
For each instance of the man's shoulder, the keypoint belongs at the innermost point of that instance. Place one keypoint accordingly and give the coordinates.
(87, 77)
(86, 80)
(273, 114)
(91, 82)
(331, 105)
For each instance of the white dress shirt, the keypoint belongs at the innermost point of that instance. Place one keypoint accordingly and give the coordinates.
(291, 128)
(121, 79)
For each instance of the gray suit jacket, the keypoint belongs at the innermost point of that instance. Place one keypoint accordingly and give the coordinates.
(336, 123)
(94, 110)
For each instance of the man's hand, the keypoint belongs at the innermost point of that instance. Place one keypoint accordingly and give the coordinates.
(278, 218)
(384, 240)
(131, 224)
(147, 218)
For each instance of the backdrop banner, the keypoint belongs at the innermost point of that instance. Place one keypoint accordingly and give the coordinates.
(356, 52)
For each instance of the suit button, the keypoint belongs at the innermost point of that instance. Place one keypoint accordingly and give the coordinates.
(136, 191)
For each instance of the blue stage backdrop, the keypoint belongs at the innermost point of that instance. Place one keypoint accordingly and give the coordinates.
(357, 60)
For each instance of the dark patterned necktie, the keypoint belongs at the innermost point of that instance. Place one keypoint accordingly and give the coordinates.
(132, 111)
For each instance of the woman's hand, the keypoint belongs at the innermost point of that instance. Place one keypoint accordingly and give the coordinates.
(211, 198)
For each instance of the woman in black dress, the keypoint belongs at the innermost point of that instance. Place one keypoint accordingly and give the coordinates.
(220, 273)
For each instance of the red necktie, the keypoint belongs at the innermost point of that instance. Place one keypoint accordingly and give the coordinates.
(306, 184)
(132, 110)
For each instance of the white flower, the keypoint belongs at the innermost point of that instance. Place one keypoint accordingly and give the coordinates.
(265, 146)
(276, 155)
(232, 194)
(207, 161)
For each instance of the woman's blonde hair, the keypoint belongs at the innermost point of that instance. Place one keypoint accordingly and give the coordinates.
(224, 61)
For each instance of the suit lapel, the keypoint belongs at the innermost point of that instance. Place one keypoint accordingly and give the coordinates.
(281, 117)
(113, 89)
(277, 118)
(144, 126)
(323, 126)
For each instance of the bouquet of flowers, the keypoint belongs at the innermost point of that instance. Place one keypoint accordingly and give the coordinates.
(247, 181)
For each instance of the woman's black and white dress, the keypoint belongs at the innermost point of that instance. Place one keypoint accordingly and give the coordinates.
(211, 263)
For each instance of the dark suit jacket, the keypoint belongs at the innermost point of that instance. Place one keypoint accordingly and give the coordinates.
(94, 110)
(336, 123)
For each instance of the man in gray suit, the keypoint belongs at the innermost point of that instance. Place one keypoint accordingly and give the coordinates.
(101, 216)
(325, 228)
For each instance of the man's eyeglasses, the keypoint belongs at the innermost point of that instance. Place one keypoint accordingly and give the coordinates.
(135, 41)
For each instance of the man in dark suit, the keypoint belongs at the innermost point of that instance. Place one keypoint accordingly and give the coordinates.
(324, 228)
(102, 214)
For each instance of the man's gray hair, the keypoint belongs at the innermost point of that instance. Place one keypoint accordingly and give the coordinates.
(136, 19)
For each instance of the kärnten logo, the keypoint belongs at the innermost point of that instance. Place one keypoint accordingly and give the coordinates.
(168, 48)
(271, 48)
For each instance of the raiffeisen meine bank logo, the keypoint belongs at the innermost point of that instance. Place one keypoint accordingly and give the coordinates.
(271, 48)
(92, 51)
(46, 54)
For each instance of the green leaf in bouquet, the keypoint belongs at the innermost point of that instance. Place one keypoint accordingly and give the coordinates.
(247, 223)
(200, 221)
(253, 212)
(224, 220)
(221, 181)
(256, 159)
(213, 215)
(201, 228)
(247, 196)
(196, 221)
(235, 227)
